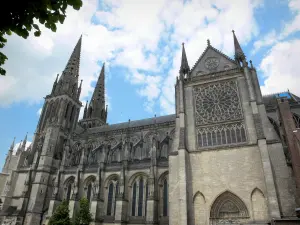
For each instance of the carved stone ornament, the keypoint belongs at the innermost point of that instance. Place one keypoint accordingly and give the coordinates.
(218, 102)
(212, 63)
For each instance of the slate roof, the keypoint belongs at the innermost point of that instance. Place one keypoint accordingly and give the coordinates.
(131, 124)
(270, 100)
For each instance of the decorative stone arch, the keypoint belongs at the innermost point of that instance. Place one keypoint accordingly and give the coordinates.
(135, 176)
(198, 193)
(88, 187)
(163, 192)
(228, 207)
(259, 205)
(110, 178)
(68, 188)
(114, 154)
(111, 187)
(200, 211)
(138, 192)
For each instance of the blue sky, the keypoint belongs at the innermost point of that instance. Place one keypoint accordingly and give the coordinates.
(140, 43)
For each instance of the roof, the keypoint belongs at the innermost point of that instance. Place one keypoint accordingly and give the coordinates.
(216, 50)
(270, 100)
(134, 123)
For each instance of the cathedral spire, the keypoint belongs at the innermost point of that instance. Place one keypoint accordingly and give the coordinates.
(184, 68)
(238, 52)
(74, 61)
(68, 81)
(98, 98)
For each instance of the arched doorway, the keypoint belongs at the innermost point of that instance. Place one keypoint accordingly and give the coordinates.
(228, 209)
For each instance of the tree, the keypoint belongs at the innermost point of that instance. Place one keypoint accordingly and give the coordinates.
(61, 215)
(84, 217)
(21, 17)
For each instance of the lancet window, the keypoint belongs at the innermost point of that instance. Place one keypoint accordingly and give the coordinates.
(221, 135)
(111, 197)
(139, 197)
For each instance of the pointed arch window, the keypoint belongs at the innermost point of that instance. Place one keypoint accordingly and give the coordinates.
(133, 199)
(164, 151)
(89, 192)
(110, 199)
(115, 156)
(138, 153)
(139, 197)
(69, 189)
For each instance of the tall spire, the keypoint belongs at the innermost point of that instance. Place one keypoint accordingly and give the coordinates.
(68, 81)
(184, 68)
(74, 61)
(98, 98)
(238, 52)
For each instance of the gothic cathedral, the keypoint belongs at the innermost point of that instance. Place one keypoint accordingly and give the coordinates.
(227, 156)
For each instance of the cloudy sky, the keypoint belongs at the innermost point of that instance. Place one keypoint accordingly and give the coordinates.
(140, 42)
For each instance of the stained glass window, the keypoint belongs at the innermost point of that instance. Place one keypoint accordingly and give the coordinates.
(133, 200)
(110, 199)
(141, 199)
(89, 192)
(69, 192)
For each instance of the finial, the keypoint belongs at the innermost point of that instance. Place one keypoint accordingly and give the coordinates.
(182, 43)
(208, 42)
(232, 31)
(251, 64)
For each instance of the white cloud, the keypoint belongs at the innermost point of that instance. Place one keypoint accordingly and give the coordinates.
(289, 28)
(39, 111)
(280, 68)
(129, 36)
(268, 40)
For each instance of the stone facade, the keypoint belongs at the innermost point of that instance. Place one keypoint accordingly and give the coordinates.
(227, 155)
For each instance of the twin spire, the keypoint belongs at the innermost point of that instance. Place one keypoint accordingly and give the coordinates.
(238, 55)
(97, 109)
(68, 81)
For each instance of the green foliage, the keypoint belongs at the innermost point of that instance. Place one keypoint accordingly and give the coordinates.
(84, 217)
(21, 18)
(61, 215)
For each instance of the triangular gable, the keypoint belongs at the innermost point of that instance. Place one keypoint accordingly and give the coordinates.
(212, 60)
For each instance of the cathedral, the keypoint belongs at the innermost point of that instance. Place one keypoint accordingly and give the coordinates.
(227, 156)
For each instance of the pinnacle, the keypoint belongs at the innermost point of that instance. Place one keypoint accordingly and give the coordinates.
(239, 54)
(184, 68)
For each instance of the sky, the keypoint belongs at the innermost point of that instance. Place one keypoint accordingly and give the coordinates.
(140, 44)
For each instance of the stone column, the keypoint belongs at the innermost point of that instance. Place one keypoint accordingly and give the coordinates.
(151, 214)
(97, 205)
(121, 200)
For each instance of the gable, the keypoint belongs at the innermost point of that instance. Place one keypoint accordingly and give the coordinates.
(212, 60)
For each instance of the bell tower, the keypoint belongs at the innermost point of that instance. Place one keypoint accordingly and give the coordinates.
(58, 119)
